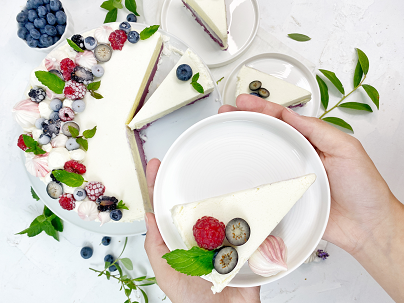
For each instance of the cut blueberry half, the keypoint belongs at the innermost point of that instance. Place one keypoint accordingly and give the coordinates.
(263, 92)
(225, 259)
(65, 128)
(54, 189)
(237, 231)
(102, 52)
(255, 85)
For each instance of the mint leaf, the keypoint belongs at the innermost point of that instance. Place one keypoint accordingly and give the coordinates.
(146, 299)
(148, 32)
(53, 82)
(357, 106)
(57, 223)
(34, 195)
(33, 146)
(372, 93)
(323, 91)
(334, 80)
(33, 230)
(131, 6)
(90, 132)
(73, 131)
(218, 81)
(358, 74)
(117, 4)
(83, 143)
(339, 122)
(299, 37)
(121, 205)
(140, 278)
(111, 16)
(96, 95)
(70, 179)
(198, 87)
(193, 262)
(94, 85)
(195, 77)
(50, 230)
(74, 46)
(108, 5)
(364, 61)
(127, 263)
(47, 212)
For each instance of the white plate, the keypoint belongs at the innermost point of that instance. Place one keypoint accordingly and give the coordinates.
(243, 22)
(240, 150)
(283, 67)
(160, 134)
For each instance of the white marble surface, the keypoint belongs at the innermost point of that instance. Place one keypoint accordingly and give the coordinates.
(42, 270)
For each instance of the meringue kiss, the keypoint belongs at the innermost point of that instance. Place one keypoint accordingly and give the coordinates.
(88, 211)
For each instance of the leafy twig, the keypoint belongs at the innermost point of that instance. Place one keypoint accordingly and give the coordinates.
(112, 7)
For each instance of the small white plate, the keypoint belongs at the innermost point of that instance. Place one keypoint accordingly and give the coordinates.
(236, 151)
(243, 22)
(283, 67)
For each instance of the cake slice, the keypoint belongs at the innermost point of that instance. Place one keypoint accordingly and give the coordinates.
(173, 93)
(280, 91)
(211, 15)
(263, 207)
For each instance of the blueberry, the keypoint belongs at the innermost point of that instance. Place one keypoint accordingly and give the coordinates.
(57, 73)
(116, 214)
(29, 26)
(56, 39)
(30, 4)
(237, 231)
(71, 144)
(133, 37)
(32, 15)
(54, 116)
(44, 139)
(90, 43)
(60, 29)
(97, 70)
(65, 128)
(86, 252)
(38, 123)
(46, 1)
(125, 26)
(79, 194)
(42, 11)
(50, 17)
(225, 259)
(35, 33)
(42, 30)
(79, 106)
(184, 72)
(131, 18)
(55, 5)
(60, 17)
(22, 17)
(255, 94)
(50, 30)
(22, 33)
(40, 22)
(106, 241)
(46, 40)
(109, 259)
(56, 105)
(54, 189)
(48, 9)
(32, 43)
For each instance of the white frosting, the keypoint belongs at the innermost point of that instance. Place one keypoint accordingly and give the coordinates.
(44, 109)
(59, 141)
(86, 59)
(37, 165)
(47, 147)
(25, 113)
(58, 157)
(104, 217)
(88, 211)
(78, 155)
(102, 33)
(67, 103)
(36, 133)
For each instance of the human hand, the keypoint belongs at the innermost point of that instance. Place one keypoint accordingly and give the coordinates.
(178, 287)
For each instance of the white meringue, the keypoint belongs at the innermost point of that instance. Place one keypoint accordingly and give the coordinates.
(77, 154)
(52, 95)
(52, 60)
(58, 157)
(36, 133)
(25, 113)
(88, 211)
(86, 59)
(47, 147)
(270, 258)
(59, 141)
(67, 103)
(102, 33)
(37, 165)
(104, 217)
(44, 109)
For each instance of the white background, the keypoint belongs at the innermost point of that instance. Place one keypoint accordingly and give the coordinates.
(42, 270)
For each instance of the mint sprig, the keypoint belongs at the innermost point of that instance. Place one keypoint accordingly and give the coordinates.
(299, 37)
(148, 32)
(53, 82)
(196, 85)
(70, 179)
(34, 195)
(33, 146)
(121, 205)
(112, 7)
(82, 140)
(193, 262)
(74, 46)
(92, 87)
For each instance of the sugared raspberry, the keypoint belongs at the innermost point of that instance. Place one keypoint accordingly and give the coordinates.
(67, 201)
(73, 166)
(66, 114)
(74, 90)
(67, 66)
(209, 232)
(94, 190)
(117, 39)
(21, 143)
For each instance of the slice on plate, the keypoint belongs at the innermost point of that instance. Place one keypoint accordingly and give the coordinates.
(280, 91)
(263, 207)
(211, 15)
(173, 93)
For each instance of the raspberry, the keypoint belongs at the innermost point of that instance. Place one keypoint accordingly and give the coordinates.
(209, 232)
(117, 39)
(74, 90)
(67, 201)
(66, 114)
(67, 66)
(73, 166)
(21, 143)
(94, 190)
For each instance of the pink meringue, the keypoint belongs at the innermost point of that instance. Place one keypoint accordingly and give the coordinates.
(25, 113)
(52, 95)
(102, 33)
(52, 60)
(37, 165)
(88, 211)
(104, 217)
(86, 59)
(270, 258)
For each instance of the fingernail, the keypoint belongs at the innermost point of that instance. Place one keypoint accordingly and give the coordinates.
(292, 111)
(146, 220)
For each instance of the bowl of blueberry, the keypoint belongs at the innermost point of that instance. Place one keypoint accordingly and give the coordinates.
(43, 24)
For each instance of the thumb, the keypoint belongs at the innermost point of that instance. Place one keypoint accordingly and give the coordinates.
(154, 243)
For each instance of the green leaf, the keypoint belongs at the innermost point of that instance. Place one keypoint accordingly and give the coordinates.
(70, 179)
(94, 85)
(127, 263)
(334, 80)
(358, 74)
(131, 6)
(89, 133)
(74, 46)
(108, 5)
(34, 195)
(47, 212)
(323, 91)
(148, 32)
(127, 301)
(299, 37)
(193, 262)
(139, 279)
(117, 4)
(218, 81)
(53, 82)
(153, 279)
(111, 16)
(148, 284)
(83, 143)
(41, 218)
(364, 61)
(198, 87)
(73, 131)
(33, 230)
(121, 205)
(131, 285)
(107, 264)
(108, 274)
(57, 223)
(50, 230)
(372, 93)
(128, 291)
(195, 78)
(119, 268)
(96, 95)
(146, 299)
(339, 122)
(357, 106)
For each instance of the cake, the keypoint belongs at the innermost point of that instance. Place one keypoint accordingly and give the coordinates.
(212, 16)
(266, 207)
(280, 91)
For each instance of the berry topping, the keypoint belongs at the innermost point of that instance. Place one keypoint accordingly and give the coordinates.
(106, 203)
(44, 139)
(61, 17)
(116, 214)
(74, 90)
(82, 75)
(117, 39)
(94, 190)
(54, 189)
(255, 85)
(37, 94)
(22, 17)
(71, 144)
(237, 231)
(67, 201)
(86, 252)
(57, 73)
(21, 143)
(38, 123)
(51, 127)
(66, 67)
(79, 194)
(97, 70)
(263, 93)
(225, 260)
(66, 114)
(55, 5)
(56, 105)
(79, 40)
(131, 18)
(209, 232)
(90, 43)
(125, 26)
(78, 106)
(109, 258)
(54, 116)
(106, 241)
(103, 52)
(255, 94)
(133, 37)
(184, 72)
(73, 166)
